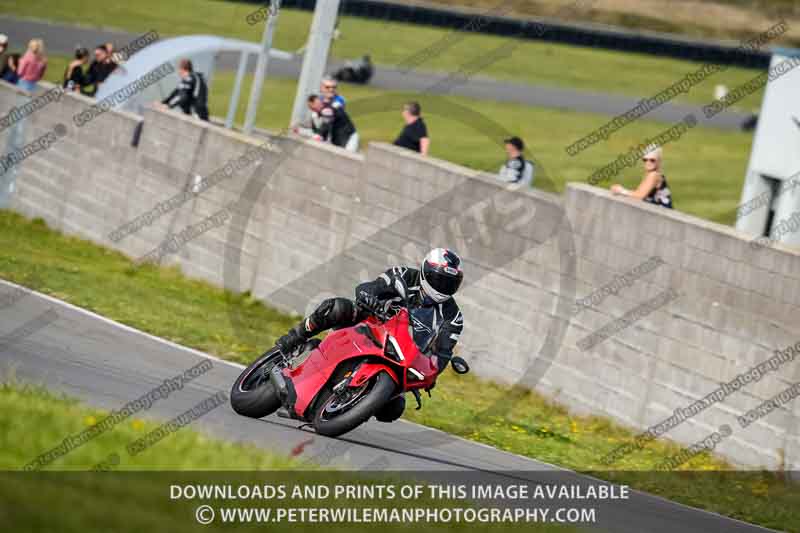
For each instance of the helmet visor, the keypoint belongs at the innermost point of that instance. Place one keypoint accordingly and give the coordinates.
(446, 284)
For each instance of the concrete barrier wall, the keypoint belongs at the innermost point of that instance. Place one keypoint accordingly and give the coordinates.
(305, 221)
(736, 305)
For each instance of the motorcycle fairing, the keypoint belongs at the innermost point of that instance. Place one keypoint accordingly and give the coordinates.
(367, 370)
(309, 377)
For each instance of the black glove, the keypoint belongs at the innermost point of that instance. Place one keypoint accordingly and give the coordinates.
(369, 301)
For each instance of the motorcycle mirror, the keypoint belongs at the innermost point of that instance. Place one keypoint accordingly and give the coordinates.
(459, 365)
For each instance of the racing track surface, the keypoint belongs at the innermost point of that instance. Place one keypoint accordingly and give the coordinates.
(107, 365)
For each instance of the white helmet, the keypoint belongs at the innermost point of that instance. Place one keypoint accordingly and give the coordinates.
(441, 274)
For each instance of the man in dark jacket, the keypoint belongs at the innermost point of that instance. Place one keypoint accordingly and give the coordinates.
(191, 92)
(415, 133)
(100, 69)
(200, 96)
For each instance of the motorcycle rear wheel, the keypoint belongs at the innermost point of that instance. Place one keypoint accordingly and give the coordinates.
(252, 394)
(337, 415)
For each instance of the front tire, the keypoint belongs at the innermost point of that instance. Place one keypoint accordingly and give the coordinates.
(336, 416)
(252, 394)
(391, 410)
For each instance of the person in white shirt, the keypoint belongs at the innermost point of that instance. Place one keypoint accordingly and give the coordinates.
(516, 169)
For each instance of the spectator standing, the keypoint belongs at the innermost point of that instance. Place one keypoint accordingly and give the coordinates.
(74, 77)
(653, 188)
(200, 100)
(3, 57)
(332, 124)
(100, 69)
(32, 65)
(415, 134)
(10, 67)
(9, 64)
(191, 94)
(516, 169)
(328, 90)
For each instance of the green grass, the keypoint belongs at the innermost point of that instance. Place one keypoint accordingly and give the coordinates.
(165, 303)
(33, 421)
(705, 168)
(178, 308)
(531, 62)
(133, 493)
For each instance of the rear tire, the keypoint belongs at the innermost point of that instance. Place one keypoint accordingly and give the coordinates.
(366, 402)
(252, 394)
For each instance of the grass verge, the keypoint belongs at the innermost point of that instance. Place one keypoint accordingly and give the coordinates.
(531, 62)
(33, 420)
(167, 304)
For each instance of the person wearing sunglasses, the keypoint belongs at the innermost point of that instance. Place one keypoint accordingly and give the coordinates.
(653, 188)
(328, 92)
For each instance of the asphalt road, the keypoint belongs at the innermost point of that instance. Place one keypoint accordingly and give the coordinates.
(108, 364)
(62, 39)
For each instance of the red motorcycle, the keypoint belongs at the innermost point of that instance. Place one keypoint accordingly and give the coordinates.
(339, 383)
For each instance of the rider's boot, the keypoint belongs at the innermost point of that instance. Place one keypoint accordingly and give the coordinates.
(295, 337)
(331, 313)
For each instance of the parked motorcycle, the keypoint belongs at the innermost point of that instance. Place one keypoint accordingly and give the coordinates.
(355, 373)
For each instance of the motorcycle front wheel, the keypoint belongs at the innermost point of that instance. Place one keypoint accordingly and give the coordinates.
(337, 414)
(252, 394)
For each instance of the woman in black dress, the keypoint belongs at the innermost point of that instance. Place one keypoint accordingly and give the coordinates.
(653, 188)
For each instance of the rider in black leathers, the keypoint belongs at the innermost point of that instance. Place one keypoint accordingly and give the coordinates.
(432, 287)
